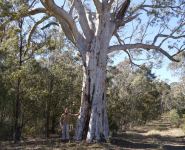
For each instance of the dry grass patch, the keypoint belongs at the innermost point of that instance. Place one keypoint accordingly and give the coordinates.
(175, 132)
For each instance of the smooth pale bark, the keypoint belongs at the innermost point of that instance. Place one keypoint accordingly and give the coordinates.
(83, 119)
(98, 112)
(93, 121)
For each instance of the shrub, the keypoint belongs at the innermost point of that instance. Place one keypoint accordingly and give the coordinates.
(174, 118)
(183, 123)
(113, 125)
(6, 130)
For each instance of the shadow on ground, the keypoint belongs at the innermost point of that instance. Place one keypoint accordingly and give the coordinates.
(136, 139)
(125, 141)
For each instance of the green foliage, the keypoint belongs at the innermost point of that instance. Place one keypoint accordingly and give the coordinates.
(183, 127)
(174, 117)
(113, 125)
(52, 77)
(133, 97)
(183, 123)
(6, 130)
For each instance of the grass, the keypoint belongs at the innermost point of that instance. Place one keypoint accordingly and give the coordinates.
(149, 137)
(54, 144)
(175, 132)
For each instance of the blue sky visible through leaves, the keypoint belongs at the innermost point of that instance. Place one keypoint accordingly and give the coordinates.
(162, 73)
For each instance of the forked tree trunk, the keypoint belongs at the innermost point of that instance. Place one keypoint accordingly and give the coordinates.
(93, 122)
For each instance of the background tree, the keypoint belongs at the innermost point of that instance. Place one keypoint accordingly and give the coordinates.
(133, 97)
(178, 88)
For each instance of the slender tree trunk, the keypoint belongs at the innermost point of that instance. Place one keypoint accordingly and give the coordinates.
(48, 108)
(47, 117)
(18, 114)
(17, 123)
(92, 123)
(53, 121)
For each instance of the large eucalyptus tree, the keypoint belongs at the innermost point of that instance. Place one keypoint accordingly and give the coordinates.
(100, 27)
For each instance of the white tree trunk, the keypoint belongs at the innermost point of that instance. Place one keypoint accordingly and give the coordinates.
(93, 122)
(83, 120)
(98, 125)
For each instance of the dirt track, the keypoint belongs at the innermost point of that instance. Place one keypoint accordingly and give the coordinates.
(156, 135)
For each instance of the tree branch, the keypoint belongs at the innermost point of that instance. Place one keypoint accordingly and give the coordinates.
(18, 15)
(167, 37)
(72, 7)
(50, 24)
(171, 35)
(159, 6)
(83, 19)
(127, 20)
(67, 23)
(35, 27)
(121, 42)
(34, 12)
(33, 49)
(98, 5)
(122, 11)
(61, 14)
(142, 46)
(119, 16)
(110, 4)
(92, 24)
(130, 59)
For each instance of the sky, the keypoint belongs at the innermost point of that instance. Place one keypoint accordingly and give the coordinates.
(162, 73)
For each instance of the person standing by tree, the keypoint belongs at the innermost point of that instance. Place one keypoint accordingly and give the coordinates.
(64, 119)
(64, 124)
